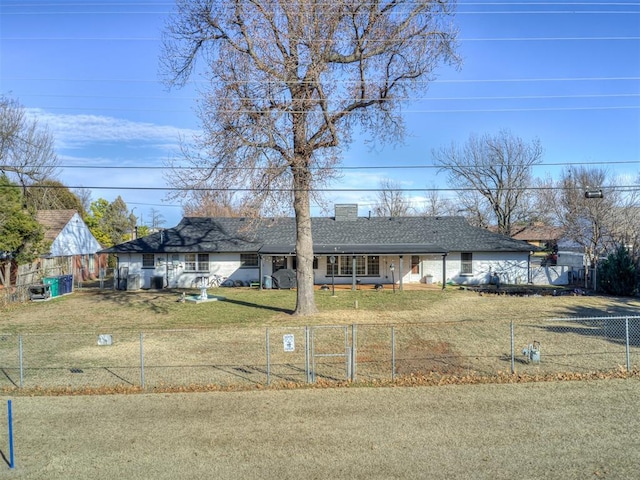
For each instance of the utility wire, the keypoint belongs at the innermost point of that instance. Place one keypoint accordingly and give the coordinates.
(365, 167)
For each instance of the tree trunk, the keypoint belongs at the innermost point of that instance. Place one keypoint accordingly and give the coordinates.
(305, 300)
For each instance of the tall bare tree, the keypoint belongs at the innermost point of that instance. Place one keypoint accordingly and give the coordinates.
(391, 201)
(288, 79)
(26, 148)
(588, 222)
(498, 168)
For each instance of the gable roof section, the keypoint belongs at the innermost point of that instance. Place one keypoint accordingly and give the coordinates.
(53, 222)
(67, 232)
(276, 236)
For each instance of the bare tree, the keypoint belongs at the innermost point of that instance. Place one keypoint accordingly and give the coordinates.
(287, 82)
(391, 200)
(157, 219)
(211, 203)
(84, 195)
(498, 167)
(26, 148)
(586, 221)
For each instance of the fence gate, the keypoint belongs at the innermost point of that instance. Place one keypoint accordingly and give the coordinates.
(331, 349)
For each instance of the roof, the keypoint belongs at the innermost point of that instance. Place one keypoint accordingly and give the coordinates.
(54, 221)
(371, 235)
(539, 232)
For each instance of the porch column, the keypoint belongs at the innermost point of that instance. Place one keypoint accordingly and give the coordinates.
(353, 273)
(401, 272)
(260, 272)
(444, 271)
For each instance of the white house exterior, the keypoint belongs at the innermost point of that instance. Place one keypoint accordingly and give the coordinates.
(365, 250)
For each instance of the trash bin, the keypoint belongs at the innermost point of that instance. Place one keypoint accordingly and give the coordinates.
(266, 282)
(53, 283)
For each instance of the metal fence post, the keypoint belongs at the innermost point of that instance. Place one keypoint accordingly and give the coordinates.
(354, 341)
(626, 327)
(393, 353)
(268, 359)
(142, 383)
(513, 351)
(20, 360)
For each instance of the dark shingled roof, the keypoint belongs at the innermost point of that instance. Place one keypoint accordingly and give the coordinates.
(375, 235)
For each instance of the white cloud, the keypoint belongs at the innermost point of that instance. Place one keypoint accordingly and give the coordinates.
(75, 131)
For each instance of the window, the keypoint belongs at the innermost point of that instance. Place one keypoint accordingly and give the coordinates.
(365, 265)
(148, 260)
(346, 267)
(466, 263)
(248, 260)
(196, 262)
(373, 265)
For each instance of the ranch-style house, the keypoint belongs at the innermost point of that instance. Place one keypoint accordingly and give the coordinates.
(348, 249)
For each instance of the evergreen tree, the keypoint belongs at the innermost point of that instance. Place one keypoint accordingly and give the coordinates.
(618, 274)
(21, 237)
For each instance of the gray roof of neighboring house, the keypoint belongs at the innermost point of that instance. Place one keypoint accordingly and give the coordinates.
(372, 235)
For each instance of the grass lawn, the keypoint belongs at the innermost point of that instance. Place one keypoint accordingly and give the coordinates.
(556, 430)
(552, 430)
(90, 310)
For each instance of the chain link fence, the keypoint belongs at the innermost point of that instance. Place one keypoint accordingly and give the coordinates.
(329, 353)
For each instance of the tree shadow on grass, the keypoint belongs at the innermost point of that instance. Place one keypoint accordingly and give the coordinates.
(256, 305)
(158, 300)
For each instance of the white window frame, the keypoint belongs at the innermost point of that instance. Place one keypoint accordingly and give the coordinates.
(249, 260)
(366, 266)
(196, 262)
(145, 260)
(466, 263)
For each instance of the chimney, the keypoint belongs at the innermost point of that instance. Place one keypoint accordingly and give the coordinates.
(346, 211)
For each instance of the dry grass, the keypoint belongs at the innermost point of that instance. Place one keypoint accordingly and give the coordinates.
(563, 430)
(452, 332)
(553, 430)
(92, 310)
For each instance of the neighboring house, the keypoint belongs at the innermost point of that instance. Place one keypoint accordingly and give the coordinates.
(560, 263)
(366, 250)
(73, 249)
(539, 234)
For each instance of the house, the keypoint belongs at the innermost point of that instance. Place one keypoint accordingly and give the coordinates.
(539, 234)
(348, 249)
(73, 249)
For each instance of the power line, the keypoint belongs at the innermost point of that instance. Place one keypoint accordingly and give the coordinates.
(364, 167)
(343, 82)
(620, 188)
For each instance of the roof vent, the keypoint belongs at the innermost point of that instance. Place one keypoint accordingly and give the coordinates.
(346, 211)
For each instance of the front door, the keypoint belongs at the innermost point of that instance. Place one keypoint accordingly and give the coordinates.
(414, 275)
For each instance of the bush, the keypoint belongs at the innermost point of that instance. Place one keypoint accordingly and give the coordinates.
(619, 273)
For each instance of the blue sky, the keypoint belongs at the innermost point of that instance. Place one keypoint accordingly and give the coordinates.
(567, 73)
